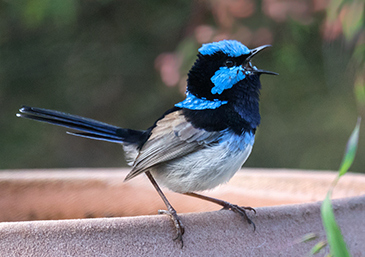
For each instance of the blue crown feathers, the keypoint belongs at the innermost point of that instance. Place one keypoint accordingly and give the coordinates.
(232, 48)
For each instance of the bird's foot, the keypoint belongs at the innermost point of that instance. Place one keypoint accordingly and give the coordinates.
(227, 206)
(177, 222)
(241, 210)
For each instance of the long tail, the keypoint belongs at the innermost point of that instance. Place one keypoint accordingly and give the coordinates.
(88, 128)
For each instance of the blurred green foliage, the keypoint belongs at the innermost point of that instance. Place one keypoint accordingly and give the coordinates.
(111, 61)
(335, 239)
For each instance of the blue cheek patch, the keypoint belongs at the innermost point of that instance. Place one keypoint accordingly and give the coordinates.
(194, 103)
(232, 48)
(225, 78)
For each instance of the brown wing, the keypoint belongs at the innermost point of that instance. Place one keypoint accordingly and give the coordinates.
(173, 137)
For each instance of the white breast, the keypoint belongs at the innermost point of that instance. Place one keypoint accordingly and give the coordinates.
(204, 169)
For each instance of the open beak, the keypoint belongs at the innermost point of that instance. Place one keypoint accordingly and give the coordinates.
(253, 52)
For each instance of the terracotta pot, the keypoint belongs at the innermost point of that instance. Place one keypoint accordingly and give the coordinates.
(88, 193)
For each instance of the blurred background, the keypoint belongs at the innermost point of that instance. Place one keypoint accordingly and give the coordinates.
(125, 62)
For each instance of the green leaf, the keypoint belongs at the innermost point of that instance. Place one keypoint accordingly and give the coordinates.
(351, 148)
(307, 237)
(319, 246)
(335, 240)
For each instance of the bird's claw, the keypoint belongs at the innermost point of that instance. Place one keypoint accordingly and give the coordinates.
(241, 210)
(178, 225)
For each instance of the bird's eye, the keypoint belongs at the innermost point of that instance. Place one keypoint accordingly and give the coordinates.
(229, 63)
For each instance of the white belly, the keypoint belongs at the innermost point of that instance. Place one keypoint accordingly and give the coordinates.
(201, 170)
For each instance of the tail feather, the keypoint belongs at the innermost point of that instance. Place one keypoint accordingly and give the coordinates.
(88, 128)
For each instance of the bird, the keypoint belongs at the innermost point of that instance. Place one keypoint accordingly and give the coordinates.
(198, 144)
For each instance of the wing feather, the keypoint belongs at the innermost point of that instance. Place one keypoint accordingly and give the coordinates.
(172, 137)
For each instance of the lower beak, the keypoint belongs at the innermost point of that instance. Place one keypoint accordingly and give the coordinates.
(255, 51)
(265, 72)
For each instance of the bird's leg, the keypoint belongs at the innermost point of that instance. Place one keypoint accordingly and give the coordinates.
(227, 206)
(170, 210)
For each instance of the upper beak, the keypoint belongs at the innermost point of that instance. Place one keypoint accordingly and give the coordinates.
(255, 51)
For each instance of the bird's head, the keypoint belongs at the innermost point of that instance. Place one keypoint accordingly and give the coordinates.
(221, 69)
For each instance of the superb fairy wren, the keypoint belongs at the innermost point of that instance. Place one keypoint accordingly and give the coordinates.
(202, 141)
